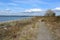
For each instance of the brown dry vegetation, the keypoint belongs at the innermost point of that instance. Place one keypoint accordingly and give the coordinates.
(22, 29)
(13, 27)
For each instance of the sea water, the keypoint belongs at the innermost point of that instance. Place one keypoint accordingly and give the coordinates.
(8, 18)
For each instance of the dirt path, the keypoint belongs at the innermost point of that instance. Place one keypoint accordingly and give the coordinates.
(29, 33)
(43, 32)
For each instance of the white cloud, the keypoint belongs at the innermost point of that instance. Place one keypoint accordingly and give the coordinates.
(33, 10)
(11, 12)
(57, 8)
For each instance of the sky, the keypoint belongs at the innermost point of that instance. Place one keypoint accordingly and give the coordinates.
(28, 5)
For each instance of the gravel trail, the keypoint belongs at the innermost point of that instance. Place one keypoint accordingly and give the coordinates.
(43, 32)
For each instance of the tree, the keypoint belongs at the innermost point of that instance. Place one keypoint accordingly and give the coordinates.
(49, 13)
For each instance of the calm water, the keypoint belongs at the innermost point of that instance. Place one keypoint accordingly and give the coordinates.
(3, 18)
(7, 18)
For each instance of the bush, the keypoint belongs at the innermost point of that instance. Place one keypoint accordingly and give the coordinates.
(49, 13)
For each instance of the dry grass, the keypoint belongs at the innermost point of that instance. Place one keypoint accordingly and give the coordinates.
(26, 28)
(9, 29)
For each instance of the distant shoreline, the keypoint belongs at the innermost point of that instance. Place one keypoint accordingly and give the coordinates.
(15, 16)
(28, 19)
(15, 20)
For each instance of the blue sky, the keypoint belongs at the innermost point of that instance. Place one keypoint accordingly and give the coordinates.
(22, 5)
